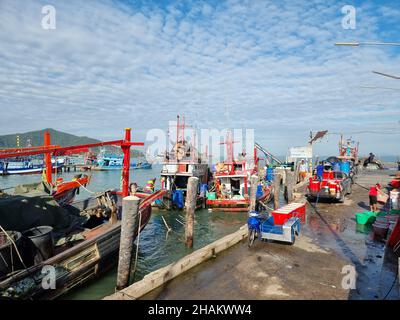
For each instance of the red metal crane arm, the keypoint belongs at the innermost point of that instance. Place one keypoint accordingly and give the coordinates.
(57, 150)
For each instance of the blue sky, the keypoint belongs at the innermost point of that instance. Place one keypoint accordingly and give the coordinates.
(267, 65)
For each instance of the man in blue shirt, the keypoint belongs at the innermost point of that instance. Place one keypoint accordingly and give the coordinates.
(320, 171)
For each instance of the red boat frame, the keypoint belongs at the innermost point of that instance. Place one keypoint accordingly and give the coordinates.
(48, 150)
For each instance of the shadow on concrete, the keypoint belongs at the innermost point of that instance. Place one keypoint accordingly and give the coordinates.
(364, 205)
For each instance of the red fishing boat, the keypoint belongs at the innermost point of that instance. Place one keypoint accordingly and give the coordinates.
(230, 191)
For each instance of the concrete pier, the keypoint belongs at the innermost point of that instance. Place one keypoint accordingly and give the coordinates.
(331, 244)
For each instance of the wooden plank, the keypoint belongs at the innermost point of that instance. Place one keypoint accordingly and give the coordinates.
(159, 277)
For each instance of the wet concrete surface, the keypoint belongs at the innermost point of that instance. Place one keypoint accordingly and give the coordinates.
(315, 267)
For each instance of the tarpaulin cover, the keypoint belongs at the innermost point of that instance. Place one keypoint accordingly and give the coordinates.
(177, 198)
(33, 206)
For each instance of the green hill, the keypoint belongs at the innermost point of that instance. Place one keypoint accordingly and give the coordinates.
(35, 138)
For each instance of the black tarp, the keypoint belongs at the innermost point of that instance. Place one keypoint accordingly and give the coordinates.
(33, 206)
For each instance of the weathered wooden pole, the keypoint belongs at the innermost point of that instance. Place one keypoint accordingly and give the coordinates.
(289, 185)
(277, 186)
(190, 206)
(254, 180)
(130, 211)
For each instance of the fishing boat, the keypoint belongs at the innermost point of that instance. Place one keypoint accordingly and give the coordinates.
(348, 156)
(179, 164)
(231, 182)
(114, 162)
(348, 150)
(28, 166)
(50, 252)
(82, 254)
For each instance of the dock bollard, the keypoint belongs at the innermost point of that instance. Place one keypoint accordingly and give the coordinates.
(254, 180)
(277, 186)
(190, 207)
(130, 211)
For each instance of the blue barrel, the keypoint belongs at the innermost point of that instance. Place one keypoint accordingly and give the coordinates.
(270, 174)
(203, 189)
(345, 167)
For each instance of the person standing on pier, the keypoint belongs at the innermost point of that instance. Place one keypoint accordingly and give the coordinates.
(373, 197)
(302, 170)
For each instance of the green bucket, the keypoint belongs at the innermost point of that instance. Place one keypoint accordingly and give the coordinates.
(365, 217)
(211, 195)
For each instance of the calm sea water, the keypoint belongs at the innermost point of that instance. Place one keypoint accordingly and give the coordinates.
(156, 247)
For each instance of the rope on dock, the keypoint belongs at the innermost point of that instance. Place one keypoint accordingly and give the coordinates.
(15, 246)
(85, 187)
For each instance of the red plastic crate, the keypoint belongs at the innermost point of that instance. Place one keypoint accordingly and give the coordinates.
(314, 185)
(283, 214)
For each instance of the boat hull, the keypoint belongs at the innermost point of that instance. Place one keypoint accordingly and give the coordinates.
(27, 171)
(111, 168)
(78, 264)
(233, 205)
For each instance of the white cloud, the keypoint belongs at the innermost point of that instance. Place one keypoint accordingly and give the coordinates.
(273, 64)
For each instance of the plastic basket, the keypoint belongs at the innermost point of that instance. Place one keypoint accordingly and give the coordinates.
(211, 195)
(366, 217)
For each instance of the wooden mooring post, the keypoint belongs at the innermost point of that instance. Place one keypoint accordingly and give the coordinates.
(254, 180)
(277, 186)
(130, 211)
(289, 185)
(190, 207)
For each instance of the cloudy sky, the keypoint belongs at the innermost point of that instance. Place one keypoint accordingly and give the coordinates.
(267, 65)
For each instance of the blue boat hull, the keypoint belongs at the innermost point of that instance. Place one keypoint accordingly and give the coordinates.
(133, 166)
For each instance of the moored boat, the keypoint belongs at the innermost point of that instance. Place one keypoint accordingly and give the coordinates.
(82, 254)
(231, 182)
(87, 235)
(28, 166)
(115, 162)
(179, 164)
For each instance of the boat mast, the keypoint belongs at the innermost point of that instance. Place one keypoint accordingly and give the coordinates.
(177, 138)
(255, 159)
(47, 158)
(229, 150)
(126, 149)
